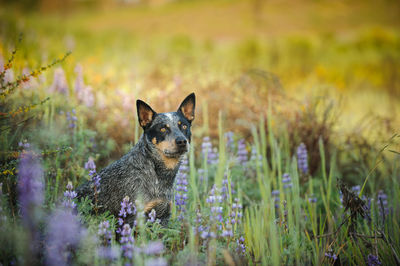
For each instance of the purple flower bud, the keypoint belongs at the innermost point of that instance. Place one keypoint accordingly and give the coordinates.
(63, 238)
(302, 158)
(30, 188)
(90, 165)
(69, 196)
(154, 248)
(373, 260)
(242, 152)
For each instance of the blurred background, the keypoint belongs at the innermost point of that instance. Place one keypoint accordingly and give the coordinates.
(324, 69)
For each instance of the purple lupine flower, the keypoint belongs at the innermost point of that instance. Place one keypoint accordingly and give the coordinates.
(154, 248)
(152, 216)
(60, 84)
(63, 238)
(90, 165)
(24, 145)
(201, 174)
(287, 181)
(236, 213)
(373, 260)
(213, 199)
(156, 262)
(71, 118)
(224, 189)
(230, 143)
(108, 252)
(207, 149)
(275, 196)
(94, 177)
(104, 233)
(241, 247)
(356, 189)
(302, 158)
(257, 160)
(127, 208)
(69, 196)
(30, 188)
(127, 242)
(242, 152)
(331, 255)
(207, 234)
(312, 199)
(227, 231)
(83, 92)
(181, 188)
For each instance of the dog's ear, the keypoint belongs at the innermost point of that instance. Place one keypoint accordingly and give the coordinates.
(145, 113)
(187, 107)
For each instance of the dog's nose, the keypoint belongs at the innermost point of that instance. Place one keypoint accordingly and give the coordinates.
(181, 141)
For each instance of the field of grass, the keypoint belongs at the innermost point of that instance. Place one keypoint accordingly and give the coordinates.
(295, 157)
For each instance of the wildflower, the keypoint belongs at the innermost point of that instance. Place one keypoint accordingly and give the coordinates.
(241, 247)
(230, 144)
(90, 165)
(302, 158)
(312, 199)
(207, 150)
(254, 158)
(69, 196)
(64, 237)
(127, 208)
(201, 174)
(154, 248)
(286, 180)
(275, 196)
(108, 252)
(227, 231)
(382, 204)
(84, 93)
(331, 255)
(59, 84)
(104, 232)
(24, 145)
(181, 188)
(126, 241)
(71, 118)
(152, 216)
(373, 260)
(156, 262)
(242, 152)
(30, 188)
(207, 234)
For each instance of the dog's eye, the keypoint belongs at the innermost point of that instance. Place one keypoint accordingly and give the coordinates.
(184, 126)
(163, 129)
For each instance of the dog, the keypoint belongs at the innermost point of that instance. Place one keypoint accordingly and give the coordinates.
(147, 172)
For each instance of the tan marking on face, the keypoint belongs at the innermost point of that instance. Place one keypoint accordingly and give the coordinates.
(167, 125)
(146, 116)
(188, 111)
(154, 140)
(170, 163)
(152, 204)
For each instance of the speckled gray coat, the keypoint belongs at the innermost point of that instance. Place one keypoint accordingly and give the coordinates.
(147, 172)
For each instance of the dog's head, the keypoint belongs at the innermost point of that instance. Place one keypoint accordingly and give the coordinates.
(168, 133)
